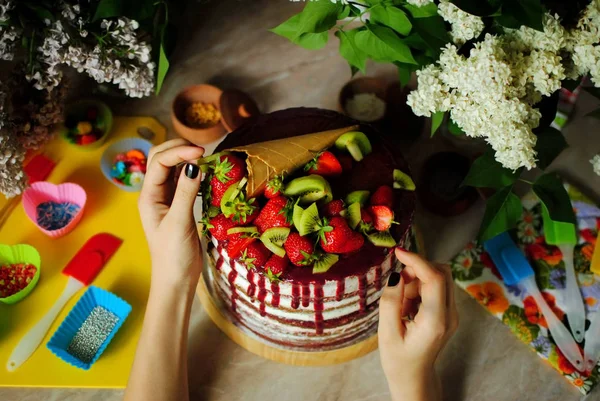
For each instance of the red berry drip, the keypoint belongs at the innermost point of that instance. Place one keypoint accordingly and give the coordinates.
(295, 295)
(262, 294)
(318, 302)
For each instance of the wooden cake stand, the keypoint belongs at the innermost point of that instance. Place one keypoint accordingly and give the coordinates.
(300, 358)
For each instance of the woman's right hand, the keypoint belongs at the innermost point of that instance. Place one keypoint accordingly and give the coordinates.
(417, 317)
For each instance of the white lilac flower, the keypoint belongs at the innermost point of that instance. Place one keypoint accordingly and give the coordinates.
(8, 33)
(596, 164)
(419, 3)
(464, 25)
(12, 178)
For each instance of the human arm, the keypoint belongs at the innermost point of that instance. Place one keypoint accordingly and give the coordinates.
(417, 317)
(159, 369)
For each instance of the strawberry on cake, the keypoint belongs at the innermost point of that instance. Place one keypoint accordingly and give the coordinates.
(301, 227)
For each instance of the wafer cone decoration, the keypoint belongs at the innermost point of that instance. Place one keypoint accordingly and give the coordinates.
(283, 156)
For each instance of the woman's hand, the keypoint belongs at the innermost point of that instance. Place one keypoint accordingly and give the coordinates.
(166, 211)
(417, 317)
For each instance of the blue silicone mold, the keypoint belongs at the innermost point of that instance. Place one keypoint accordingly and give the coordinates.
(93, 297)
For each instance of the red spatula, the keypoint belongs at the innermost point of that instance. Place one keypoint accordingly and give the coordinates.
(81, 270)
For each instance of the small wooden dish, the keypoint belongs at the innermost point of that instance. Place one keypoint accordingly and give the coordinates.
(197, 93)
(362, 85)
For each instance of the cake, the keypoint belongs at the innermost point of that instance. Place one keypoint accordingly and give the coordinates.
(300, 248)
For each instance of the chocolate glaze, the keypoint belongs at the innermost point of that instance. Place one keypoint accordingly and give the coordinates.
(373, 171)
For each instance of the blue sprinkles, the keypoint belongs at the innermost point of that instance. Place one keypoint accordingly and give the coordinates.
(53, 215)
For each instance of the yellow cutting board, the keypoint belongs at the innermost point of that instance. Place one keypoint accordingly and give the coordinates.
(127, 274)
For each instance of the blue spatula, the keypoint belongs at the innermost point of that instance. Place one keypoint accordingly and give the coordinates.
(516, 270)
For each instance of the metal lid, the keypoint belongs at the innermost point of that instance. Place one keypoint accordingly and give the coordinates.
(237, 108)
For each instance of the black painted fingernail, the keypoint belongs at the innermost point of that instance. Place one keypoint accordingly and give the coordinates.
(394, 279)
(191, 171)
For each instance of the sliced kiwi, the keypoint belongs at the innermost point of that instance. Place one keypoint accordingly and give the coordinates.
(236, 230)
(309, 222)
(403, 181)
(309, 189)
(357, 197)
(297, 215)
(356, 143)
(212, 158)
(230, 194)
(273, 239)
(324, 263)
(382, 238)
(354, 215)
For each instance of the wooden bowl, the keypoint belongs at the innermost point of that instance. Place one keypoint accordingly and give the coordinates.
(197, 93)
(362, 85)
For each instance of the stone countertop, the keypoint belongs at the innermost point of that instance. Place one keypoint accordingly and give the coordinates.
(227, 43)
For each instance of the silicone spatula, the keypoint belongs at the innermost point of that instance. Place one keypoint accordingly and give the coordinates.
(564, 236)
(81, 270)
(516, 270)
(592, 337)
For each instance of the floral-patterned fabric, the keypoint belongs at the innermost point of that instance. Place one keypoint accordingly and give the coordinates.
(475, 272)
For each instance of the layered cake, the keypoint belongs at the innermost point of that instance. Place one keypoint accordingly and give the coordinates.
(301, 211)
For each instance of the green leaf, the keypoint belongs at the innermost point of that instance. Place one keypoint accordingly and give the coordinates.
(571, 84)
(289, 30)
(486, 172)
(163, 68)
(383, 45)
(526, 12)
(392, 17)
(549, 188)
(594, 113)
(108, 9)
(344, 12)
(41, 12)
(433, 32)
(405, 72)
(428, 10)
(480, 8)
(502, 212)
(348, 49)
(436, 121)
(453, 128)
(593, 91)
(550, 143)
(318, 16)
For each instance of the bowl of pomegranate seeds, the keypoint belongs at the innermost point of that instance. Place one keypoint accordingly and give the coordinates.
(19, 272)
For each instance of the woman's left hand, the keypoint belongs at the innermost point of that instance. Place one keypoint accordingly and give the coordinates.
(167, 216)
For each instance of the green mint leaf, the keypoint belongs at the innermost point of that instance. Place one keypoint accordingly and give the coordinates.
(502, 212)
(549, 188)
(550, 143)
(486, 172)
(350, 51)
(436, 121)
(290, 28)
(481, 8)
(383, 45)
(391, 17)
(428, 10)
(108, 9)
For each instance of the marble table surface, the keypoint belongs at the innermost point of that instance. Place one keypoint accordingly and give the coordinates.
(227, 43)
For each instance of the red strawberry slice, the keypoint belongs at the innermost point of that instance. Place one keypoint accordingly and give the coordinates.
(324, 164)
(383, 196)
(219, 225)
(274, 187)
(276, 266)
(333, 208)
(277, 212)
(299, 249)
(238, 242)
(255, 255)
(341, 239)
(14, 278)
(383, 217)
(228, 170)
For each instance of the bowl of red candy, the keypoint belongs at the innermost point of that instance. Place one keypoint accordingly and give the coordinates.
(124, 163)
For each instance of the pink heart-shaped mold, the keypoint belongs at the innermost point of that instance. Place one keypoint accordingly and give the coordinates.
(43, 191)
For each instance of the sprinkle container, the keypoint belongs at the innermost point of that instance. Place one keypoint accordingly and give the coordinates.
(89, 327)
(123, 146)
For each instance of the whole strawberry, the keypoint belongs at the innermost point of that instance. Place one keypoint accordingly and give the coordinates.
(333, 208)
(256, 255)
(274, 187)
(219, 225)
(299, 249)
(277, 212)
(341, 239)
(238, 242)
(227, 171)
(324, 164)
(383, 196)
(276, 266)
